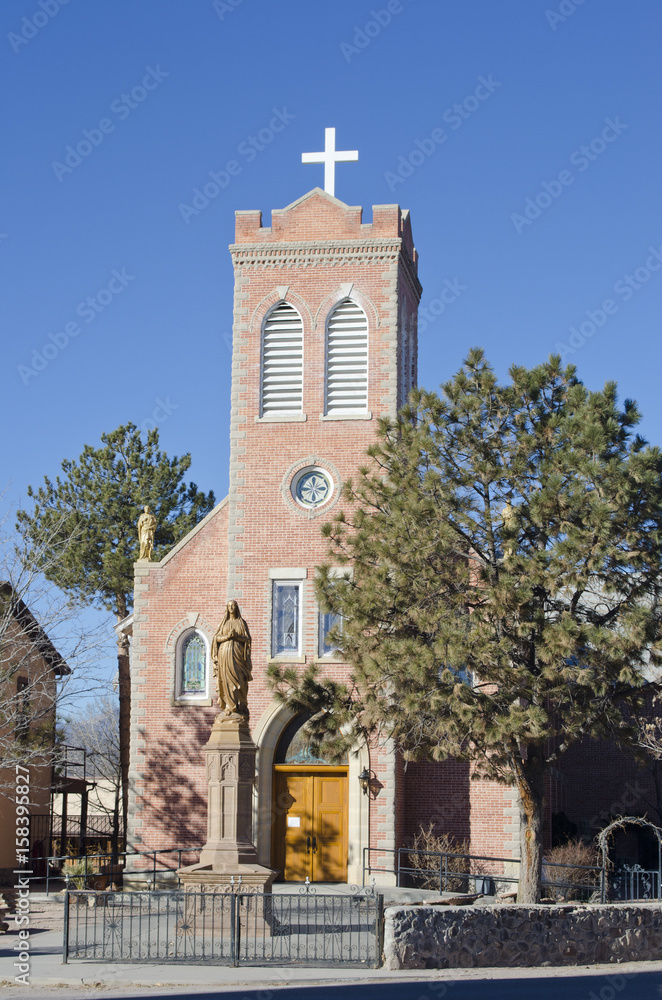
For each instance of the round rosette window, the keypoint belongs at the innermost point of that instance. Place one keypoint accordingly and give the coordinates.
(312, 487)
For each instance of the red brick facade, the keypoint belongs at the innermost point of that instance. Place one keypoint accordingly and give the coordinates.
(316, 254)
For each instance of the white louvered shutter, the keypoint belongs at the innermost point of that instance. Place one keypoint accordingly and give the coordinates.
(347, 359)
(282, 361)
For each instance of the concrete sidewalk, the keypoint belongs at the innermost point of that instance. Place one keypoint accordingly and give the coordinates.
(48, 970)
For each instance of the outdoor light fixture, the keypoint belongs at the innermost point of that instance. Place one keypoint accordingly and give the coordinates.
(364, 780)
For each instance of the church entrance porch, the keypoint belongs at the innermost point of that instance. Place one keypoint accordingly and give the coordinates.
(282, 753)
(310, 822)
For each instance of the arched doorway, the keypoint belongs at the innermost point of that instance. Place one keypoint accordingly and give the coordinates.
(309, 811)
(631, 881)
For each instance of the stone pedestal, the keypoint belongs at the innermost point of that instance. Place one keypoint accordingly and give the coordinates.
(229, 851)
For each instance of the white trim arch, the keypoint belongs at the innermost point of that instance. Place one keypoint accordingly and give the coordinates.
(266, 735)
(275, 298)
(191, 622)
(347, 291)
(194, 697)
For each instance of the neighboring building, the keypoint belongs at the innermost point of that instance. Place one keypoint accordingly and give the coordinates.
(325, 343)
(30, 668)
(85, 816)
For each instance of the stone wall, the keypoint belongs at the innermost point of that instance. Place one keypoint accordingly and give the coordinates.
(445, 937)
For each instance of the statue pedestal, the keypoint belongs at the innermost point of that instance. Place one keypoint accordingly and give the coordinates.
(229, 851)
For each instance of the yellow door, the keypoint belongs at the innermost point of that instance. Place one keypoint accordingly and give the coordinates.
(310, 823)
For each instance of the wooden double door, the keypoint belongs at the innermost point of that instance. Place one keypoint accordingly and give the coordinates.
(310, 823)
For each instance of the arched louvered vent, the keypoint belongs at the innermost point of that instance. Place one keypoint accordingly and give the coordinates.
(282, 361)
(347, 359)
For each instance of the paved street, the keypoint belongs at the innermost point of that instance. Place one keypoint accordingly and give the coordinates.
(613, 984)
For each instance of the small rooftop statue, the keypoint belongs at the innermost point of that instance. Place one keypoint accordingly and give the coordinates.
(146, 530)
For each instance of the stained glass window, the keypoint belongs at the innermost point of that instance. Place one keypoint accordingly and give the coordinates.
(285, 619)
(312, 488)
(293, 749)
(327, 621)
(194, 665)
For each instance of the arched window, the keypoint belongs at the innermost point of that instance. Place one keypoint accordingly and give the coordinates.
(282, 362)
(292, 748)
(346, 381)
(192, 666)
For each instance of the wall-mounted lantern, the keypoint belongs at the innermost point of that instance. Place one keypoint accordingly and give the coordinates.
(364, 780)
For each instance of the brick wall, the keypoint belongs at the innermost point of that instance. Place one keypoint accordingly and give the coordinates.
(316, 253)
(168, 797)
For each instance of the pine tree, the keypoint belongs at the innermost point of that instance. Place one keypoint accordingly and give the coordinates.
(91, 513)
(504, 601)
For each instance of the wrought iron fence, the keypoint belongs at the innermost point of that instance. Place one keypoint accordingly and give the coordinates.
(223, 927)
(632, 882)
(97, 871)
(445, 871)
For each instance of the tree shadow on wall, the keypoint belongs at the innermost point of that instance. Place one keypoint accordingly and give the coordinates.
(173, 801)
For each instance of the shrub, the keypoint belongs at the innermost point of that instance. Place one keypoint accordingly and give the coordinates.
(427, 866)
(74, 869)
(78, 868)
(571, 883)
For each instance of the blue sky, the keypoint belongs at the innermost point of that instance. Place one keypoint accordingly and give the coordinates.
(472, 114)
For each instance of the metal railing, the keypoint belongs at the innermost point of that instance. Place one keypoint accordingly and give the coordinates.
(445, 871)
(110, 868)
(632, 882)
(231, 928)
(71, 761)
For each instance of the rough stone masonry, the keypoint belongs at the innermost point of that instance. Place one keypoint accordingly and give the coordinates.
(448, 937)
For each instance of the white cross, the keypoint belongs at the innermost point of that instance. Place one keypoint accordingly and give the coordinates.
(329, 158)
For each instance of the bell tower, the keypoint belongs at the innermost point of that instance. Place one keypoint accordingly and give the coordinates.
(324, 344)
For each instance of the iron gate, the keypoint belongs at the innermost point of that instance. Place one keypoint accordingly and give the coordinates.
(225, 928)
(632, 882)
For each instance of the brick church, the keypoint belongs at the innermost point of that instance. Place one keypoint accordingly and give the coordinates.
(324, 343)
